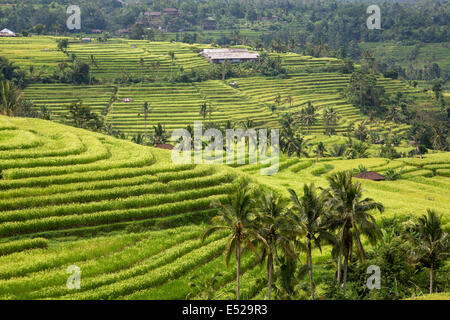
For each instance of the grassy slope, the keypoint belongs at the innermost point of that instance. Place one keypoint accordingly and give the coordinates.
(82, 190)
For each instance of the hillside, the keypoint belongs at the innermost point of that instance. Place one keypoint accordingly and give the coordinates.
(118, 63)
(131, 220)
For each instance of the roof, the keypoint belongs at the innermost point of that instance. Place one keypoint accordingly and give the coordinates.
(210, 19)
(7, 31)
(165, 146)
(229, 54)
(371, 175)
(170, 10)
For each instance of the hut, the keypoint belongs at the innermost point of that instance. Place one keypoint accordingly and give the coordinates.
(7, 33)
(232, 55)
(371, 175)
(171, 12)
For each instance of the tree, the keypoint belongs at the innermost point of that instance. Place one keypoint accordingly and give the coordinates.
(146, 111)
(437, 89)
(235, 216)
(320, 150)
(290, 100)
(356, 149)
(363, 92)
(11, 98)
(63, 44)
(137, 32)
(350, 217)
(361, 131)
(204, 110)
(308, 116)
(205, 284)
(57, 28)
(9, 71)
(439, 138)
(82, 117)
(273, 227)
(429, 243)
(172, 58)
(39, 29)
(330, 119)
(393, 115)
(150, 34)
(293, 143)
(159, 135)
(308, 212)
(93, 63)
(80, 72)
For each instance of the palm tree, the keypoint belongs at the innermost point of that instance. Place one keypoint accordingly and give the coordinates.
(142, 66)
(439, 137)
(293, 143)
(158, 67)
(320, 150)
(308, 212)
(10, 98)
(290, 100)
(92, 62)
(272, 226)
(361, 131)
(338, 150)
(393, 115)
(204, 110)
(416, 142)
(351, 218)
(278, 99)
(172, 58)
(160, 135)
(138, 138)
(236, 36)
(330, 118)
(206, 285)
(235, 216)
(308, 116)
(429, 243)
(146, 113)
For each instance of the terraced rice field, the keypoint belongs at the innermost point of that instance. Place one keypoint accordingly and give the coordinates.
(178, 105)
(423, 185)
(122, 58)
(294, 62)
(39, 52)
(321, 89)
(58, 97)
(64, 183)
(131, 221)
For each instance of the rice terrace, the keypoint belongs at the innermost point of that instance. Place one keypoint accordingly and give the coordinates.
(94, 206)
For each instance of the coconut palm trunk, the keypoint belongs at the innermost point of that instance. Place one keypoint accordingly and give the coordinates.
(339, 268)
(345, 272)
(311, 282)
(270, 271)
(431, 279)
(238, 275)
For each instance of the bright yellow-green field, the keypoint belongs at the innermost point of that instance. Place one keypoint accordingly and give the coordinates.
(177, 105)
(131, 220)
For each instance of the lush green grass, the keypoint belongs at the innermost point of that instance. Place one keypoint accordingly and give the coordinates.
(126, 215)
(131, 221)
